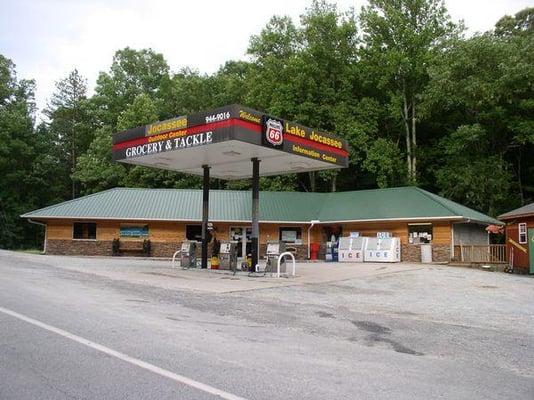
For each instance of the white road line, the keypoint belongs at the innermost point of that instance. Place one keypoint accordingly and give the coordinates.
(124, 357)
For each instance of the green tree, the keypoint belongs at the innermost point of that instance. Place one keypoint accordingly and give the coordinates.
(478, 178)
(96, 169)
(17, 153)
(308, 73)
(127, 94)
(70, 122)
(522, 23)
(132, 73)
(401, 38)
(479, 91)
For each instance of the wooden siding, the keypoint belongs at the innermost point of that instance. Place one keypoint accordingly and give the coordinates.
(160, 231)
(59, 230)
(520, 259)
(172, 232)
(441, 230)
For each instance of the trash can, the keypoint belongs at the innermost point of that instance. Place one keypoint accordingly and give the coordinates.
(214, 262)
(314, 250)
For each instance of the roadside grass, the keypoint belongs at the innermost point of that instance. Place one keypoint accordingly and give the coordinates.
(30, 251)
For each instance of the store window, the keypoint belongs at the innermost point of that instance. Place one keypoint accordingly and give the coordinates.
(84, 230)
(290, 235)
(193, 232)
(419, 233)
(523, 233)
(134, 231)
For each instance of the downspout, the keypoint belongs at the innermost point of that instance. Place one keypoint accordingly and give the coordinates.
(312, 223)
(468, 220)
(452, 242)
(46, 231)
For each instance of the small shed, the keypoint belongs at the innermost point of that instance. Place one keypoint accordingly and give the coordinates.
(520, 238)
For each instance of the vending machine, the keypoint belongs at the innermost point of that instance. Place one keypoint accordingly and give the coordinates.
(228, 255)
(332, 251)
(382, 249)
(188, 256)
(351, 249)
(274, 249)
(328, 252)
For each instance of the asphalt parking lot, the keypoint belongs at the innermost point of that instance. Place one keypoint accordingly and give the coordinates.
(94, 328)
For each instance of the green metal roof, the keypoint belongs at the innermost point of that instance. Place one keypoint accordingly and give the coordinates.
(407, 203)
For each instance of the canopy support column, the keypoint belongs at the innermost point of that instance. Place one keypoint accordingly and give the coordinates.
(205, 215)
(255, 212)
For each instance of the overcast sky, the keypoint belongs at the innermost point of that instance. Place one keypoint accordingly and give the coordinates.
(47, 39)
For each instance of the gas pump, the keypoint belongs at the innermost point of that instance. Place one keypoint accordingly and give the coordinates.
(188, 256)
(274, 249)
(228, 255)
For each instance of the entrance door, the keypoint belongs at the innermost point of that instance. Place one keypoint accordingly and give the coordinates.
(242, 234)
(531, 249)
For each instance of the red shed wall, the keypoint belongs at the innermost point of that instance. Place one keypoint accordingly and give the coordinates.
(521, 259)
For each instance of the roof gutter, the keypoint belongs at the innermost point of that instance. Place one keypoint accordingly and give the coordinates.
(452, 217)
(497, 222)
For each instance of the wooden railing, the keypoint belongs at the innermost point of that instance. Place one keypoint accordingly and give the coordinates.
(492, 253)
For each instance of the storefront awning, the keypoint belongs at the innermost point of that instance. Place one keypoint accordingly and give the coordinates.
(226, 139)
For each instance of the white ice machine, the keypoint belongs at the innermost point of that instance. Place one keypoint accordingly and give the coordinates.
(351, 249)
(382, 250)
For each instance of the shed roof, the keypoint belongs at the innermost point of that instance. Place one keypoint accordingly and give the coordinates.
(404, 203)
(524, 211)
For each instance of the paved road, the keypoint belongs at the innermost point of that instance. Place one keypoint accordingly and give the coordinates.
(437, 332)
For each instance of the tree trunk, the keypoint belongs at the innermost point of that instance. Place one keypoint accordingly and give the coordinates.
(519, 181)
(414, 144)
(73, 164)
(407, 134)
(334, 181)
(311, 174)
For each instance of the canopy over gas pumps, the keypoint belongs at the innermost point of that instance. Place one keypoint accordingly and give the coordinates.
(222, 142)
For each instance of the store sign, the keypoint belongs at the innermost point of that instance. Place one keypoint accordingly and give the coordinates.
(383, 235)
(226, 124)
(166, 126)
(170, 144)
(273, 132)
(313, 135)
(134, 231)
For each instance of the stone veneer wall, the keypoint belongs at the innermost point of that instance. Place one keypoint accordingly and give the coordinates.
(412, 253)
(158, 249)
(441, 253)
(79, 247)
(165, 249)
(300, 254)
(409, 253)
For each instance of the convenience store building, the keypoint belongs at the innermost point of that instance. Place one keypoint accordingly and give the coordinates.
(128, 217)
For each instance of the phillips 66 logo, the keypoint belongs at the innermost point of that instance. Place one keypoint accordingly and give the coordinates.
(273, 132)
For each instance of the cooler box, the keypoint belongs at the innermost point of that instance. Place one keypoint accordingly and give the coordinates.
(351, 249)
(382, 250)
(314, 250)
